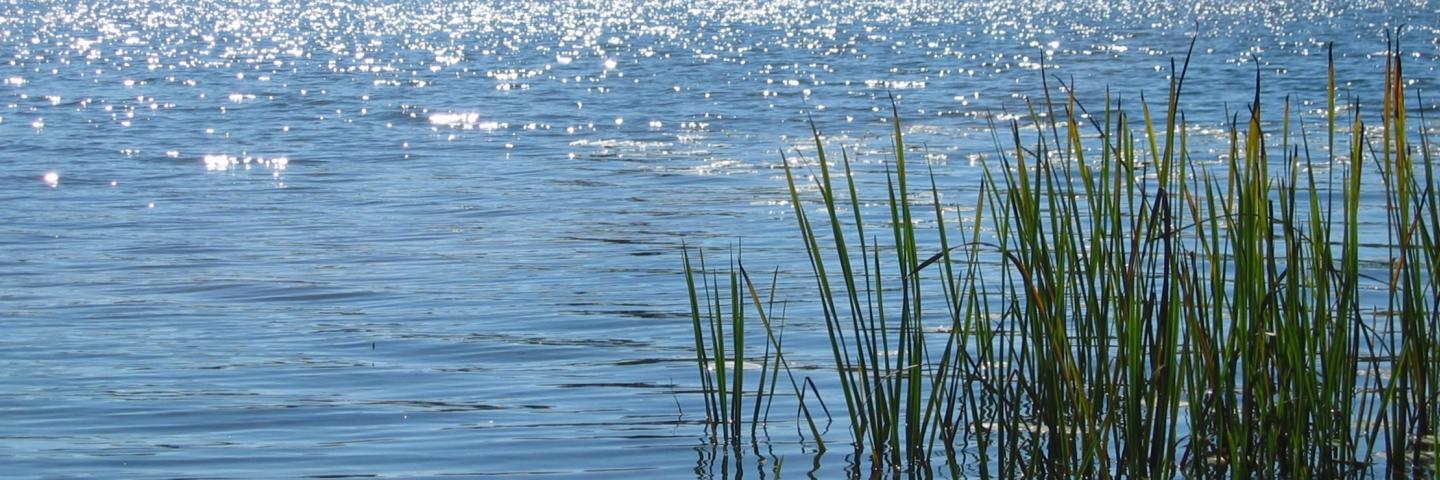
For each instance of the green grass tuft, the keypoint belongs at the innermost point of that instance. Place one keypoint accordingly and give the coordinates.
(1116, 307)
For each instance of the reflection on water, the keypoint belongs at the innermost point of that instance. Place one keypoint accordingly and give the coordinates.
(725, 463)
(423, 238)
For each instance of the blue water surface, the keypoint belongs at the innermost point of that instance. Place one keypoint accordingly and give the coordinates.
(425, 238)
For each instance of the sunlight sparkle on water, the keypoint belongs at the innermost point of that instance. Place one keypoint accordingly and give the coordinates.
(218, 162)
(52, 179)
(465, 121)
(454, 119)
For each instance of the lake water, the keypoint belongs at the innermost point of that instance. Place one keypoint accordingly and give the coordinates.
(417, 238)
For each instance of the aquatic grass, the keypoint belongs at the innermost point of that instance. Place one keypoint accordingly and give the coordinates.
(714, 305)
(1116, 307)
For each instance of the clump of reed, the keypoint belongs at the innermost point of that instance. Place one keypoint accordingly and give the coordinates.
(1116, 307)
(717, 313)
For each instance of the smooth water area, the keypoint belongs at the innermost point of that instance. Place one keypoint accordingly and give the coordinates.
(418, 238)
